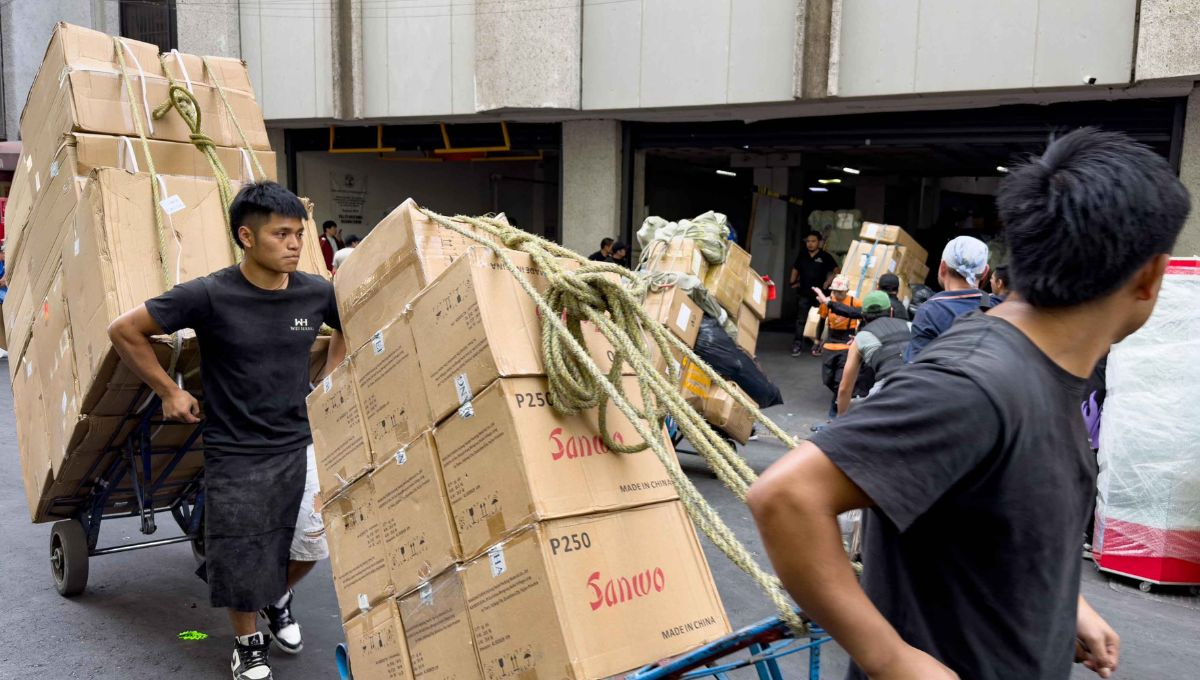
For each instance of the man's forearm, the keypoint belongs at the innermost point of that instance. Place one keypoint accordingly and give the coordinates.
(335, 354)
(137, 353)
(793, 276)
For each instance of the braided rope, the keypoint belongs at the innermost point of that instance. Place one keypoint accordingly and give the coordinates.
(258, 168)
(609, 297)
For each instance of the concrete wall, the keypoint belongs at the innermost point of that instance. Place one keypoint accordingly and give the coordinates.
(212, 27)
(591, 185)
(1168, 39)
(418, 61)
(888, 47)
(653, 53)
(1189, 173)
(527, 54)
(290, 55)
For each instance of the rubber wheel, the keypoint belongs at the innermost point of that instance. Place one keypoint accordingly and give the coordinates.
(69, 557)
(1145, 586)
(198, 544)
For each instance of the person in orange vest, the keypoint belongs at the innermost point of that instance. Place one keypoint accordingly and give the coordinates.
(841, 333)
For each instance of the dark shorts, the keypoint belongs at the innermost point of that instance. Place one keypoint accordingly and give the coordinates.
(250, 508)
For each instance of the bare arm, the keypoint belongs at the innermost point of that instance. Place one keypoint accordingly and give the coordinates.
(1098, 647)
(793, 277)
(849, 377)
(130, 334)
(335, 354)
(795, 504)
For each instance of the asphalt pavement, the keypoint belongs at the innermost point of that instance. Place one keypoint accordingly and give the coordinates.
(127, 624)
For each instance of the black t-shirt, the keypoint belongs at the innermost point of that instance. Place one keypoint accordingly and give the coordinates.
(814, 269)
(254, 347)
(976, 458)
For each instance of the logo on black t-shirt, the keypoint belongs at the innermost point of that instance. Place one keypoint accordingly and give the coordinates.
(301, 325)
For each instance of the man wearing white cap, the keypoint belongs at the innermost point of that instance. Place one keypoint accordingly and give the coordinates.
(964, 264)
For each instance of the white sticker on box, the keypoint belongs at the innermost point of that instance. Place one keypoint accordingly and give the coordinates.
(172, 204)
(892, 266)
(364, 603)
(426, 593)
(685, 315)
(696, 262)
(28, 369)
(37, 182)
(54, 170)
(466, 411)
(327, 383)
(462, 387)
(758, 292)
(76, 247)
(377, 342)
(401, 456)
(871, 229)
(64, 403)
(496, 560)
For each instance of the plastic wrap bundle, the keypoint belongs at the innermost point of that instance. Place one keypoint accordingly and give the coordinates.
(1148, 505)
(710, 231)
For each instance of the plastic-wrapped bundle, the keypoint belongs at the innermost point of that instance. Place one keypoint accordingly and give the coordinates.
(1148, 505)
(710, 231)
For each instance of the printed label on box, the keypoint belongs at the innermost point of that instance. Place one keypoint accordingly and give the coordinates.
(172, 204)
(758, 291)
(401, 456)
(685, 315)
(327, 383)
(377, 342)
(496, 560)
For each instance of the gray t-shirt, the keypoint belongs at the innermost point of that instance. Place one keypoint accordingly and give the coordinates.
(981, 478)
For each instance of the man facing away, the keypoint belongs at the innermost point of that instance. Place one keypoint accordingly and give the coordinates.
(963, 266)
(979, 477)
(878, 346)
(888, 283)
(813, 268)
(256, 323)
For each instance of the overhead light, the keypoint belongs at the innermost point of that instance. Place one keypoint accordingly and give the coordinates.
(850, 171)
(746, 146)
(1001, 168)
(818, 189)
(727, 173)
(835, 180)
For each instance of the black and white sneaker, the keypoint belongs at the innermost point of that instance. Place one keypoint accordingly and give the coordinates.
(251, 658)
(284, 629)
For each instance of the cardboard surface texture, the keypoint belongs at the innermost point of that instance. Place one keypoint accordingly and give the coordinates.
(390, 389)
(756, 294)
(515, 461)
(30, 415)
(727, 281)
(398, 258)
(681, 256)
(675, 310)
(375, 640)
(477, 324)
(410, 501)
(722, 411)
(357, 551)
(747, 324)
(339, 440)
(593, 596)
(890, 233)
(438, 628)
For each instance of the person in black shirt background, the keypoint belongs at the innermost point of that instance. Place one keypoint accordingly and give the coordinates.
(888, 283)
(813, 268)
(605, 249)
(979, 477)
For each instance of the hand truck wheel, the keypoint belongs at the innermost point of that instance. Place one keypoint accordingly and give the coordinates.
(69, 557)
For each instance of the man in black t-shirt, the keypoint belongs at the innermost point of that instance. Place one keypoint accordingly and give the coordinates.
(813, 268)
(256, 323)
(978, 477)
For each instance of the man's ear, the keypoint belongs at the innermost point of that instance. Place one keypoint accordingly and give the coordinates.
(1146, 282)
(246, 236)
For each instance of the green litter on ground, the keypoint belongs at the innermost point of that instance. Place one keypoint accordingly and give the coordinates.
(191, 635)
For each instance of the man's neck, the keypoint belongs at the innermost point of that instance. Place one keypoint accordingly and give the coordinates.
(1075, 338)
(955, 284)
(814, 253)
(261, 277)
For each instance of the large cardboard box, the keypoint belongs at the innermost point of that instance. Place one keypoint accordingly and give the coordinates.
(695, 385)
(515, 461)
(375, 639)
(593, 596)
(339, 440)
(438, 628)
(30, 415)
(757, 292)
(477, 324)
(727, 281)
(410, 500)
(51, 342)
(675, 310)
(890, 233)
(679, 256)
(390, 389)
(401, 255)
(721, 411)
(869, 260)
(747, 325)
(357, 551)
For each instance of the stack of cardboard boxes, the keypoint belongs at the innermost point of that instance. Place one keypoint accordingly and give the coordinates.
(885, 249)
(474, 531)
(82, 245)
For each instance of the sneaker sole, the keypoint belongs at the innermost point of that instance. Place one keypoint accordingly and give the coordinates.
(286, 649)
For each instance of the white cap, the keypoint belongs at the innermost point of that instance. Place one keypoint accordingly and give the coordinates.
(841, 282)
(968, 256)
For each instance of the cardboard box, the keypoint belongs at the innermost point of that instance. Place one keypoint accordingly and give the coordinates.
(51, 342)
(747, 325)
(390, 389)
(357, 550)
(398, 258)
(19, 203)
(438, 629)
(695, 385)
(375, 640)
(477, 324)
(593, 596)
(720, 410)
(680, 256)
(727, 281)
(675, 310)
(30, 415)
(757, 292)
(410, 499)
(890, 233)
(868, 260)
(516, 461)
(814, 319)
(339, 440)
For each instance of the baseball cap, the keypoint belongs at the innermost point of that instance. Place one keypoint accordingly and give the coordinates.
(968, 256)
(876, 301)
(840, 282)
(889, 283)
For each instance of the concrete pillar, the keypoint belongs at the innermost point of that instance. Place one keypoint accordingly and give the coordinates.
(1189, 171)
(211, 28)
(591, 183)
(768, 244)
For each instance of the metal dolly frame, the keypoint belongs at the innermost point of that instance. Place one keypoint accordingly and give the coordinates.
(130, 471)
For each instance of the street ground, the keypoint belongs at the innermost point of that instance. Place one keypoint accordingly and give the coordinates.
(126, 625)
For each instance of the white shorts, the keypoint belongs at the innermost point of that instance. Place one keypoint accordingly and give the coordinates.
(308, 542)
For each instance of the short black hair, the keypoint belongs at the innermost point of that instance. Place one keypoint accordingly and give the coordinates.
(257, 201)
(619, 245)
(1083, 217)
(889, 283)
(352, 239)
(819, 235)
(328, 224)
(605, 241)
(1001, 273)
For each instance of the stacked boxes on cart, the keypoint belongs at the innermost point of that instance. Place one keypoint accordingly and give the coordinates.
(740, 291)
(82, 245)
(885, 249)
(474, 532)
